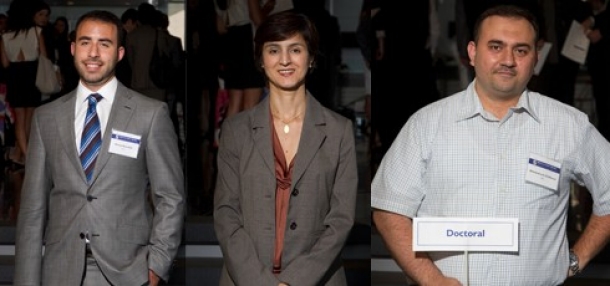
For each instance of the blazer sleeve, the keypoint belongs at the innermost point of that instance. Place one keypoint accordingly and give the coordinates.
(167, 190)
(312, 267)
(239, 254)
(32, 212)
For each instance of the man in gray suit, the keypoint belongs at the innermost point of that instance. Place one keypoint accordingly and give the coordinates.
(123, 224)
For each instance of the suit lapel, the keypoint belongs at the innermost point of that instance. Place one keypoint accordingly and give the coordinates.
(68, 138)
(122, 111)
(312, 137)
(261, 133)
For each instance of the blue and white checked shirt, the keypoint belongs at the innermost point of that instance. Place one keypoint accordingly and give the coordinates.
(454, 159)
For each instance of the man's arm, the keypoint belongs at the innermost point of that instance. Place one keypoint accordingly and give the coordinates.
(593, 239)
(167, 191)
(396, 231)
(32, 212)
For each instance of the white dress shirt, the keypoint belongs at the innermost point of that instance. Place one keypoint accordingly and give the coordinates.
(103, 107)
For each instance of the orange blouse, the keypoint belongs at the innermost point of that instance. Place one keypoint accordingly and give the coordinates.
(283, 176)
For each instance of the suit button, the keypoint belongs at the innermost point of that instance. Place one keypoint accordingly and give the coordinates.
(90, 198)
(293, 226)
(82, 235)
(295, 192)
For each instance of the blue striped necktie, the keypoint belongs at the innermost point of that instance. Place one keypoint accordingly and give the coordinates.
(91, 140)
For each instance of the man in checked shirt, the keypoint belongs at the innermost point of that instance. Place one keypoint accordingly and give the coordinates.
(476, 154)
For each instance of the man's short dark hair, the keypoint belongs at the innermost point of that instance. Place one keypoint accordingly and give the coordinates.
(509, 11)
(147, 14)
(106, 17)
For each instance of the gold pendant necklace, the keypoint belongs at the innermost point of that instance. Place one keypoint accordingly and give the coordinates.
(286, 122)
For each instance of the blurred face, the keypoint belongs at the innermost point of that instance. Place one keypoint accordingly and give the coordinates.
(286, 63)
(129, 25)
(96, 52)
(60, 26)
(504, 57)
(41, 18)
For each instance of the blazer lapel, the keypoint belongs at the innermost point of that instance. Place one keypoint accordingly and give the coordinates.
(312, 137)
(66, 118)
(261, 133)
(122, 111)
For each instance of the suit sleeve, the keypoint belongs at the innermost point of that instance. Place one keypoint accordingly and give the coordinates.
(339, 221)
(167, 190)
(32, 212)
(239, 254)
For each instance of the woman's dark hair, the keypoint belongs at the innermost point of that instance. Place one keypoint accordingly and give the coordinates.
(37, 6)
(283, 25)
(20, 16)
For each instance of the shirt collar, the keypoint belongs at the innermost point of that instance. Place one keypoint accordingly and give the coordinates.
(473, 107)
(108, 91)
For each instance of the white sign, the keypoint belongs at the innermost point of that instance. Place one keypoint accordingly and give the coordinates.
(465, 234)
(576, 44)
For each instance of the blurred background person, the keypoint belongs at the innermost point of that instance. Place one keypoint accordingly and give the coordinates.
(598, 63)
(129, 18)
(139, 50)
(557, 78)
(243, 81)
(20, 52)
(64, 59)
(42, 13)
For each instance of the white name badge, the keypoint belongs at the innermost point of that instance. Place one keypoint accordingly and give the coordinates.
(125, 144)
(465, 234)
(543, 172)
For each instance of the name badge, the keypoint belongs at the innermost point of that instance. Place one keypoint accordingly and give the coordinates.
(125, 144)
(543, 172)
(465, 234)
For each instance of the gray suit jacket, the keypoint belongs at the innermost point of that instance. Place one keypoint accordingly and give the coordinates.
(322, 205)
(127, 235)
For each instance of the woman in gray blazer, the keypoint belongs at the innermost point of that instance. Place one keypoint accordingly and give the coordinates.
(287, 177)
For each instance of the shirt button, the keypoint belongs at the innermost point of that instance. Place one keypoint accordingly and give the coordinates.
(295, 192)
(91, 198)
(293, 226)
